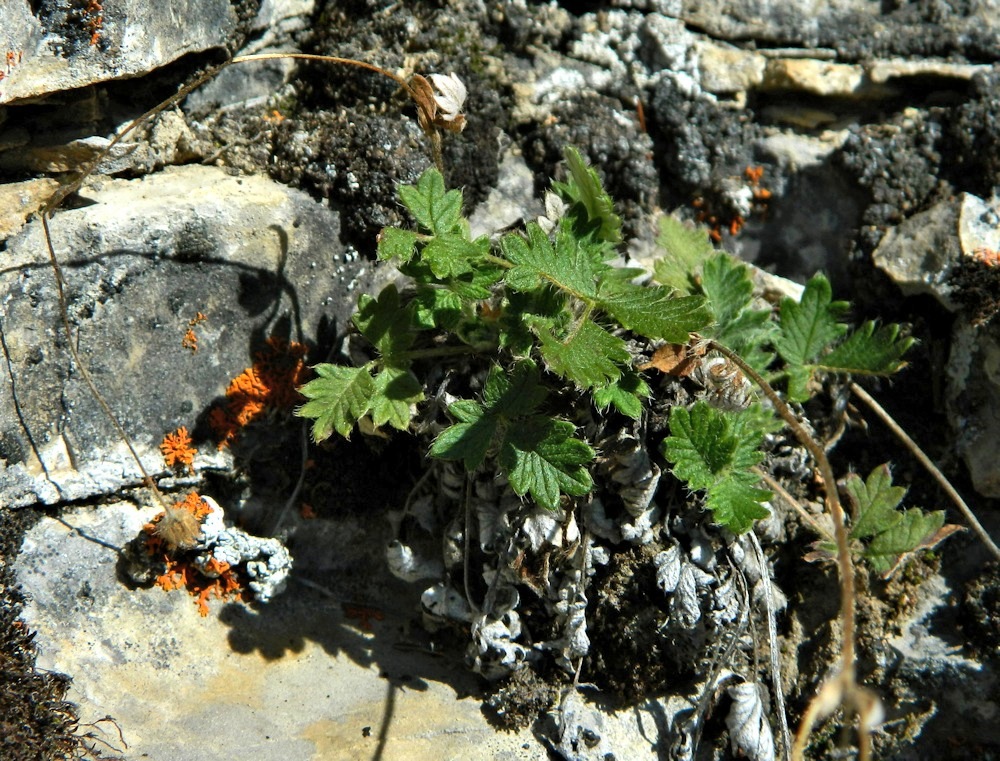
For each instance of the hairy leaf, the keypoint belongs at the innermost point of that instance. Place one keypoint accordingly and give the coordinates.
(454, 255)
(653, 312)
(385, 322)
(686, 250)
(434, 209)
(588, 357)
(541, 458)
(436, 307)
(537, 261)
(584, 188)
(890, 533)
(470, 438)
(810, 325)
(712, 451)
(729, 289)
(338, 398)
(625, 394)
(394, 243)
(396, 391)
(869, 351)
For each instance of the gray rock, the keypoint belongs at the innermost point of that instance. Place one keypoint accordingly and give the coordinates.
(973, 398)
(293, 680)
(61, 46)
(920, 253)
(257, 258)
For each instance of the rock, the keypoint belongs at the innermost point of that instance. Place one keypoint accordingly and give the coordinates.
(141, 260)
(920, 253)
(973, 397)
(728, 69)
(822, 78)
(61, 46)
(19, 200)
(293, 680)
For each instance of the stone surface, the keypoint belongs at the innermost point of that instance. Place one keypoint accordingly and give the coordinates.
(920, 253)
(295, 680)
(60, 46)
(141, 260)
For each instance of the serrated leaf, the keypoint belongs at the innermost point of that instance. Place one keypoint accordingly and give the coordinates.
(891, 534)
(912, 531)
(584, 188)
(468, 440)
(652, 311)
(537, 261)
(453, 255)
(515, 394)
(729, 290)
(712, 451)
(625, 394)
(436, 307)
(875, 500)
(435, 210)
(394, 243)
(868, 351)
(338, 398)
(686, 249)
(385, 322)
(726, 283)
(588, 357)
(396, 391)
(542, 459)
(809, 325)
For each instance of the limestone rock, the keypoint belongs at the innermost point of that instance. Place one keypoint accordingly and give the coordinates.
(62, 46)
(920, 253)
(140, 261)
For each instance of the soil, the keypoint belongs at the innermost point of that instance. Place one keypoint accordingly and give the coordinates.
(351, 140)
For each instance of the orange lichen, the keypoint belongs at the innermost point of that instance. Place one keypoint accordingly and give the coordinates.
(987, 256)
(217, 579)
(269, 385)
(190, 340)
(177, 450)
(363, 614)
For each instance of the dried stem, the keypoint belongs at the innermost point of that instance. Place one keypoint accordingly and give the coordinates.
(929, 465)
(843, 685)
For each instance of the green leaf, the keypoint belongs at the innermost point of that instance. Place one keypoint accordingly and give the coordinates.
(890, 532)
(453, 255)
(588, 357)
(809, 326)
(914, 529)
(536, 260)
(432, 207)
(338, 398)
(868, 351)
(713, 451)
(396, 391)
(625, 394)
(726, 283)
(653, 312)
(542, 459)
(875, 501)
(469, 439)
(584, 188)
(687, 248)
(394, 243)
(436, 307)
(384, 322)
(515, 394)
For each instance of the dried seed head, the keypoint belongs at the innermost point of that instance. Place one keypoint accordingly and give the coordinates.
(178, 528)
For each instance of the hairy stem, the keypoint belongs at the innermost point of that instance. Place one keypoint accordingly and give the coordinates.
(845, 681)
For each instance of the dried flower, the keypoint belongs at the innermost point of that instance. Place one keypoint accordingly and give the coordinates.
(450, 99)
(179, 526)
(177, 450)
